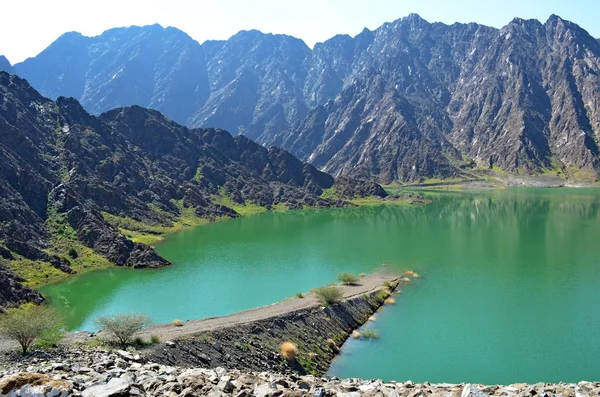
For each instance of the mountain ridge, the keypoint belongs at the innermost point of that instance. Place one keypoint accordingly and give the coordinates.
(407, 101)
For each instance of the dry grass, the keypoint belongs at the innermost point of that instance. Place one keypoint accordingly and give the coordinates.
(289, 351)
(390, 301)
(406, 279)
(356, 334)
(409, 273)
(372, 318)
(177, 323)
(416, 275)
(333, 345)
(362, 275)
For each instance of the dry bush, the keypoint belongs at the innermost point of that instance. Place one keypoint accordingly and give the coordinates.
(177, 323)
(333, 345)
(289, 351)
(390, 301)
(123, 326)
(355, 334)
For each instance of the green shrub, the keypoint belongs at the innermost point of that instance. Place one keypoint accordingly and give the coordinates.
(28, 323)
(348, 279)
(299, 295)
(328, 295)
(154, 339)
(73, 254)
(50, 338)
(369, 334)
(123, 326)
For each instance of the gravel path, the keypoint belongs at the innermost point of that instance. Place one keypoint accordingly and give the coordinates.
(366, 284)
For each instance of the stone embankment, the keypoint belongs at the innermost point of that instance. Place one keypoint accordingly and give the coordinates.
(251, 340)
(112, 374)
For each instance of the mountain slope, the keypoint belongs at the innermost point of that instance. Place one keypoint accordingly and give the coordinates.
(72, 185)
(152, 67)
(409, 100)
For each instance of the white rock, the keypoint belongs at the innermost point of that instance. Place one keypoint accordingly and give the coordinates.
(115, 387)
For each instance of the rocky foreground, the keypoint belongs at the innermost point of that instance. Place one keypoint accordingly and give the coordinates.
(121, 373)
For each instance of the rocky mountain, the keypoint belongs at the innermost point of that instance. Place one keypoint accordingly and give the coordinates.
(409, 100)
(71, 183)
(5, 65)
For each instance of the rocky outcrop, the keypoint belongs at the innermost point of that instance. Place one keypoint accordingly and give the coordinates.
(106, 374)
(408, 101)
(12, 292)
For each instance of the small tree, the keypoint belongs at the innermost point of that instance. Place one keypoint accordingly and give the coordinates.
(348, 278)
(328, 295)
(28, 323)
(123, 326)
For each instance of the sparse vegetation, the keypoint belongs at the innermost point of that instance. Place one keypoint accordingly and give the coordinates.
(381, 296)
(328, 295)
(369, 334)
(154, 339)
(50, 338)
(299, 295)
(177, 323)
(27, 324)
(289, 351)
(348, 278)
(123, 326)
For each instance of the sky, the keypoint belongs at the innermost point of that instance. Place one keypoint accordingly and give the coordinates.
(29, 26)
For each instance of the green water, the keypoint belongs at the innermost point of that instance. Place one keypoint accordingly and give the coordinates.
(510, 287)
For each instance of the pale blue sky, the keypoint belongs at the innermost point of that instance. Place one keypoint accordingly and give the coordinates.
(28, 26)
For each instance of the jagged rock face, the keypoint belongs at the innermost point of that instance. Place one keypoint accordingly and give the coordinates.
(12, 292)
(152, 67)
(60, 164)
(406, 101)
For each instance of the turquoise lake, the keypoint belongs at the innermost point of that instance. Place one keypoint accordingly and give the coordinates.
(510, 287)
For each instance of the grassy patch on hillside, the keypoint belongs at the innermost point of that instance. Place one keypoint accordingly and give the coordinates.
(248, 208)
(579, 175)
(38, 273)
(140, 232)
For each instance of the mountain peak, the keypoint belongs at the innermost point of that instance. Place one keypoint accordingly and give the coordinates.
(5, 65)
(414, 17)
